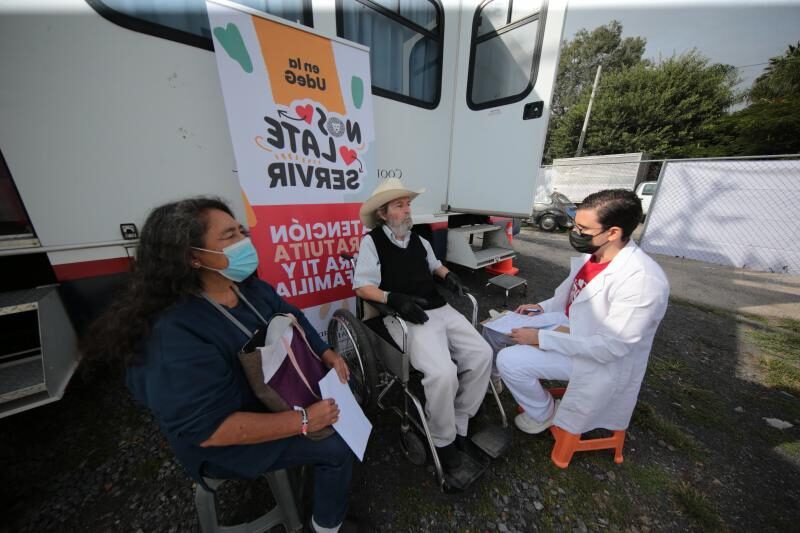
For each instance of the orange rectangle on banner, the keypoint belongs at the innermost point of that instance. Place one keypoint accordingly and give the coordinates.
(299, 65)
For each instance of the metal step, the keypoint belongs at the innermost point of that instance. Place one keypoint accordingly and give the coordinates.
(494, 246)
(40, 353)
(20, 378)
(21, 301)
(474, 229)
(465, 475)
(492, 440)
(490, 256)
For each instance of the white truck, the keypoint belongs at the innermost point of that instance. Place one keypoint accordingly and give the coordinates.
(111, 107)
(578, 177)
(645, 191)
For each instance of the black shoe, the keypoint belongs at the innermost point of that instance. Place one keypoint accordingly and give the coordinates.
(449, 456)
(462, 443)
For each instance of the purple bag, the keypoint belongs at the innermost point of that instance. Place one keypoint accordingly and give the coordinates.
(288, 374)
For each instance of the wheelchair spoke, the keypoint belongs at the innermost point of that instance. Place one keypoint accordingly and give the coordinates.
(347, 337)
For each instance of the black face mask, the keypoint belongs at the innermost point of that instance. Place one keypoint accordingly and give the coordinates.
(583, 243)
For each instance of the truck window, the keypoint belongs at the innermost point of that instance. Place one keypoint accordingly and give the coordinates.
(14, 222)
(405, 40)
(504, 59)
(649, 189)
(186, 21)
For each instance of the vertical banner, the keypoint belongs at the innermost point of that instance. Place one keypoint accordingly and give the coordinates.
(299, 110)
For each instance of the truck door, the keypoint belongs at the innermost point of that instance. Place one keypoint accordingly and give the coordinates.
(508, 55)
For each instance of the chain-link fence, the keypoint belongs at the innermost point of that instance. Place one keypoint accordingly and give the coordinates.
(740, 212)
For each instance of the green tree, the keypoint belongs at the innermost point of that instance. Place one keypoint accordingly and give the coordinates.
(765, 128)
(771, 123)
(580, 57)
(670, 109)
(781, 78)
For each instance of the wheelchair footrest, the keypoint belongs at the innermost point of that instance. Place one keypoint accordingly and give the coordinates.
(492, 440)
(462, 477)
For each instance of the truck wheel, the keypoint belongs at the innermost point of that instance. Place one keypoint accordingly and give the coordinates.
(548, 223)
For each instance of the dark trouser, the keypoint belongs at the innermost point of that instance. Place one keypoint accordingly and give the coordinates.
(332, 460)
(333, 468)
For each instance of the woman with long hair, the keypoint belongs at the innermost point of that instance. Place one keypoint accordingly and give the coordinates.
(178, 329)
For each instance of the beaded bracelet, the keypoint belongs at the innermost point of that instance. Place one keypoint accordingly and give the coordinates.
(304, 419)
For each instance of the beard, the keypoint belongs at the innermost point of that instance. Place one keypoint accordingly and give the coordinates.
(400, 228)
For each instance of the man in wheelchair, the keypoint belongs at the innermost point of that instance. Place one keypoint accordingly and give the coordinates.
(396, 267)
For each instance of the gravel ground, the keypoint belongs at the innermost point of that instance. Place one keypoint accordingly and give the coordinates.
(699, 454)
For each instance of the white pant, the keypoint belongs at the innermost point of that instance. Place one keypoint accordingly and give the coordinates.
(521, 368)
(455, 362)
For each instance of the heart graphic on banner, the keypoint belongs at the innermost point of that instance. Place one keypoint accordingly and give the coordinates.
(348, 155)
(306, 112)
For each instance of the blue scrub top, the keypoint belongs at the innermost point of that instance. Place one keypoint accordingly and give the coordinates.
(191, 379)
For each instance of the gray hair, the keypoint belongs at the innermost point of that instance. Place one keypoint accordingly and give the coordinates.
(381, 212)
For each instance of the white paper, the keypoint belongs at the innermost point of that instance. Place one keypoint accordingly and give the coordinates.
(352, 425)
(508, 321)
(272, 356)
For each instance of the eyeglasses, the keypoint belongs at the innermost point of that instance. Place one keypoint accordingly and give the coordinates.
(582, 231)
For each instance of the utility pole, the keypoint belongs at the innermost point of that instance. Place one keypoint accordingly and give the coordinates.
(588, 112)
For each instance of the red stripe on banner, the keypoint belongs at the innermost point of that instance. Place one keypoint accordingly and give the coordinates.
(90, 269)
(300, 246)
(436, 226)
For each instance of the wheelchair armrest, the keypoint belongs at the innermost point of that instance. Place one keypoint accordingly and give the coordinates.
(385, 310)
(474, 303)
(451, 295)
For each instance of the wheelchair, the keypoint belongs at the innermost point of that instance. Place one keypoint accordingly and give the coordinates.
(378, 365)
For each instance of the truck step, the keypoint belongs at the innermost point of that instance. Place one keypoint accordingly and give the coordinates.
(474, 229)
(39, 351)
(494, 246)
(20, 301)
(20, 378)
(490, 256)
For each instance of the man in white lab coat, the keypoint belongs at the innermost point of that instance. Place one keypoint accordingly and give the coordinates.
(615, 297)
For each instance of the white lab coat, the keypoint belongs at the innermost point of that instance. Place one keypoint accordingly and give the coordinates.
(612, 323)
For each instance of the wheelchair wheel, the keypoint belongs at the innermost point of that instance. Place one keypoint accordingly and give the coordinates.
(413, 447)
(349, 338)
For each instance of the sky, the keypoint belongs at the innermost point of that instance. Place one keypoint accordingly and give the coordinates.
(735, 32)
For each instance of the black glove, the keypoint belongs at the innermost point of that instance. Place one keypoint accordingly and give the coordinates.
(454, 284)
(408, 307)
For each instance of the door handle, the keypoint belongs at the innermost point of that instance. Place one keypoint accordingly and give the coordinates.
(533, 110)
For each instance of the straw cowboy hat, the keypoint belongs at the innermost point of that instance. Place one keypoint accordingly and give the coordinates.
(389, 189)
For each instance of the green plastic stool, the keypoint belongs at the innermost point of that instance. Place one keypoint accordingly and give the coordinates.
(284, 513)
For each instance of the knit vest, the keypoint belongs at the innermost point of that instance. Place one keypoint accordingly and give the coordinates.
(406, 270)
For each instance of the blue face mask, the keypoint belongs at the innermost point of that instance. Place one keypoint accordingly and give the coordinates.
(242, 260)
